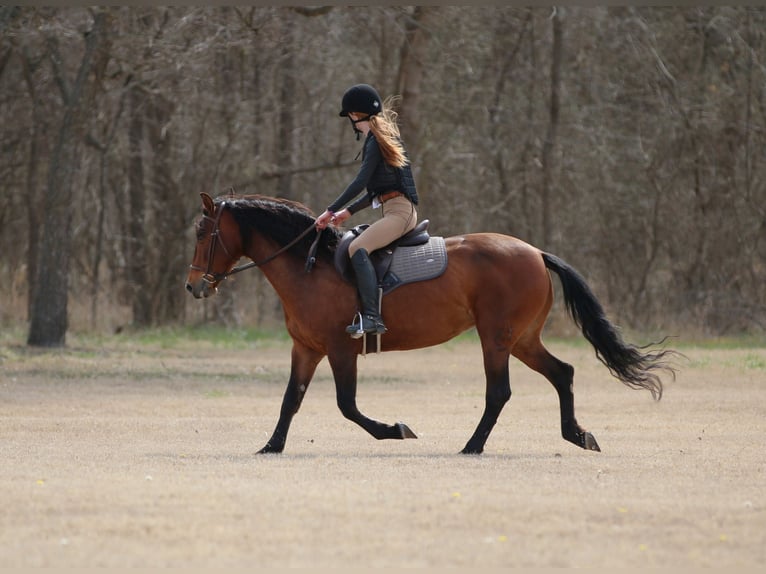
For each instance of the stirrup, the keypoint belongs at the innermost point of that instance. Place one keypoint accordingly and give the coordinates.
(362, 325)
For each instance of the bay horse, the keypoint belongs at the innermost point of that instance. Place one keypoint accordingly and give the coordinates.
(496, 283)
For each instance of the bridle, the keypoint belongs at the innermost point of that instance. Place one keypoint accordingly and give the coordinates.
(215, 238)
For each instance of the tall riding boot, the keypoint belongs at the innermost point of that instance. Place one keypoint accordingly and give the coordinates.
(367, 284)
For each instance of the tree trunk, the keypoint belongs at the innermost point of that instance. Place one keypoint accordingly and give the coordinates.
(286, 143)
(32, 183)
(48, 321)
(412, 63)
(170, 223)
(553, 124)
(137, 241)
(101, 200)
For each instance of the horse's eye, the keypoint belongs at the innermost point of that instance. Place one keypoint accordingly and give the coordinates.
(200, 232)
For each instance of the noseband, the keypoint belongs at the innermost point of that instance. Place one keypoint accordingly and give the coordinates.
(215, 238)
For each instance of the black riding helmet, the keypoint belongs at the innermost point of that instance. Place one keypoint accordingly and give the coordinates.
(362, 99)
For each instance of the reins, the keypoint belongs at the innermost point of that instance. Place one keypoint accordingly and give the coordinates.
(309, 262)
(210, 277)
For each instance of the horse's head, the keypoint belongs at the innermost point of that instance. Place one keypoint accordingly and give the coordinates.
(219, 247)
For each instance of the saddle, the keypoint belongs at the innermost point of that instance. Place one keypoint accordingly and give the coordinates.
(416, 256)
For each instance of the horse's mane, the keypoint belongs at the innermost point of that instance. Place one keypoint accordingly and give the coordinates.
(281, 219)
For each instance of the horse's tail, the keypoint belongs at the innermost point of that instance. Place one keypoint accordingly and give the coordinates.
(634, 366)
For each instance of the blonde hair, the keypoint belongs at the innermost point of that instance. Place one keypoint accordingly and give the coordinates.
(386, 131)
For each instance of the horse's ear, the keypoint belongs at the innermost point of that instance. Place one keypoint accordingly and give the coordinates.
(207, 203)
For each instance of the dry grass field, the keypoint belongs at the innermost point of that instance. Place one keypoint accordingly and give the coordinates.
(133, 453)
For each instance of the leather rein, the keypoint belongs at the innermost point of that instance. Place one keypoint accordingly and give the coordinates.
(215, 239)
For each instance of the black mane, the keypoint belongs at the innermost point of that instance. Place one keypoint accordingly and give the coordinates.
(280, 219)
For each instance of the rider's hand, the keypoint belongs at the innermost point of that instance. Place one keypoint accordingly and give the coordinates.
(341, 216)
(329, 217)
(323, 220)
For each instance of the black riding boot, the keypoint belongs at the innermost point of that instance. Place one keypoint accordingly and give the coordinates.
(367, 283)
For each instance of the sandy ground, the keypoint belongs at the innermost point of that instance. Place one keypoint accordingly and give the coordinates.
(143, 456)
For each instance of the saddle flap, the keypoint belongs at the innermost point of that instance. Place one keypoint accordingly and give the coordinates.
(342, 260)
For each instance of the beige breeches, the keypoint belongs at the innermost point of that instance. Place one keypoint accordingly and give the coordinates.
(399, 217)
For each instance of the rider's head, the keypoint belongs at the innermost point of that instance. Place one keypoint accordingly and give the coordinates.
(363, 101)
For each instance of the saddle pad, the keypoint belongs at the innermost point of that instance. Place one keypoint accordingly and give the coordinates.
(416, 263)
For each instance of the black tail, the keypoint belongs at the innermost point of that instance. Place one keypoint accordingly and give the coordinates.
(634, 366)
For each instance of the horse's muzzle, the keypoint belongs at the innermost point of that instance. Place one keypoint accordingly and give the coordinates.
(201, 289)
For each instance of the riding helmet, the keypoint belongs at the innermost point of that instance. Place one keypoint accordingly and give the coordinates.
(362, 99)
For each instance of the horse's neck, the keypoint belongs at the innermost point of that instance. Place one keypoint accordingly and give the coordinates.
(283, 272)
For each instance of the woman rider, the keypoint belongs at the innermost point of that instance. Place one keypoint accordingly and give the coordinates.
(386, 178)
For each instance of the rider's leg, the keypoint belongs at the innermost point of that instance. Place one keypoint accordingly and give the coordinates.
(399, 217)
(367, 284)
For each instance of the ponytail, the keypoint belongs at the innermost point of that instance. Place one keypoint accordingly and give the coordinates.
(386, 131)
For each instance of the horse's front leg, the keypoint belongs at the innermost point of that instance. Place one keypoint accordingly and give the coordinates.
(302, 368)
(345, 373)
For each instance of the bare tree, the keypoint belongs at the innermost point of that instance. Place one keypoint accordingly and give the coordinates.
(49, 321)
(553, 126)
(286, 142)
(412, 66)
(34, 164)
(138, 257)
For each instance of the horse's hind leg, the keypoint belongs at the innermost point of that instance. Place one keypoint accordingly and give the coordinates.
(531, 351)
(498, 392)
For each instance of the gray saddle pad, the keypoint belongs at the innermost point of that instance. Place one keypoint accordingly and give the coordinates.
(416, 263)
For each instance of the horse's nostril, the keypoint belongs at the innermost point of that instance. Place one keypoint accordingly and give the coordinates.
(189, 287)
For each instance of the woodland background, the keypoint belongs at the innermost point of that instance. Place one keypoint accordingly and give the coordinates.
(627, 140)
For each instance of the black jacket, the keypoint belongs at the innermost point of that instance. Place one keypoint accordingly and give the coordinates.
(377, 177)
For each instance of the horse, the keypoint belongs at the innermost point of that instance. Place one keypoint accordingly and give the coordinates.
(498, 284)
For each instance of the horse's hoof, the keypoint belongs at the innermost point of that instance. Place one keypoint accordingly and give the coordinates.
(405, 431)
(589, 442)
(268, 449)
